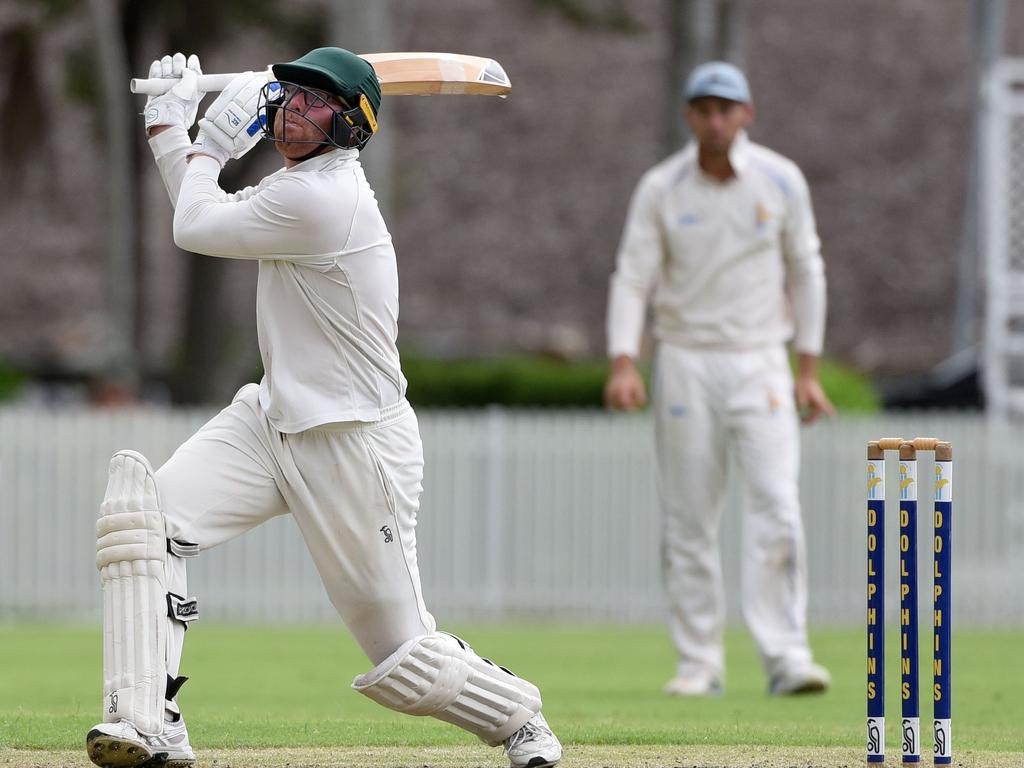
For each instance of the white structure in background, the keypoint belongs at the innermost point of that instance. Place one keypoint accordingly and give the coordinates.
(540, 514)
(1001, 204)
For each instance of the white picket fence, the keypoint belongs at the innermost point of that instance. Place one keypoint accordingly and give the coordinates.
(526, 514)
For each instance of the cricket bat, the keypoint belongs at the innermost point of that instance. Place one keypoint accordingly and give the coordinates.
(400, 74)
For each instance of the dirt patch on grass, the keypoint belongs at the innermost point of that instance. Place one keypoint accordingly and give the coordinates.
(576, 756)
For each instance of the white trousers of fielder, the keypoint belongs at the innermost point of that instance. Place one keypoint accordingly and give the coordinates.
(711, 406)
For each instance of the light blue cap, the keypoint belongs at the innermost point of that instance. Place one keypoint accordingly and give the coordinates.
(717, 78)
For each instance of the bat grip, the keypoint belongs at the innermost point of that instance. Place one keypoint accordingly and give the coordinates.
(158, 85)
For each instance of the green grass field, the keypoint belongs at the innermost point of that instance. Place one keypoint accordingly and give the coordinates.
(281, 696)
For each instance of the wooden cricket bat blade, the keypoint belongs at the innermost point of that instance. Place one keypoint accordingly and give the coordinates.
(427, 73)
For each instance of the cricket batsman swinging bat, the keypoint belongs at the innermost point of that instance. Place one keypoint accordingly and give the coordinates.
(400, 74)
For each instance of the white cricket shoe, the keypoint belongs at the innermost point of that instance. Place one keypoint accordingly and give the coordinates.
(119, 745)
(534, 745)
(694, 685)
(807, 677)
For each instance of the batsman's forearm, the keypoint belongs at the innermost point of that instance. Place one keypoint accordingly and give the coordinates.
(169, 147)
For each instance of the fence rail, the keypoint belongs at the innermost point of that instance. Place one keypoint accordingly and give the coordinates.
(548, 514)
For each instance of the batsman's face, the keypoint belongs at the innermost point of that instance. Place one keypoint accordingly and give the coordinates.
(306, 118)
(715, 122)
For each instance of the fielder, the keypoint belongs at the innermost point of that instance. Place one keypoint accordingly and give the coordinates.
(720, 238)
(326, 436)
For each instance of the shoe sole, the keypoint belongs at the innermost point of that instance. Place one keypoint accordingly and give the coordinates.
(811, 688)
(712, 692)
(815, 686)
(109, 751)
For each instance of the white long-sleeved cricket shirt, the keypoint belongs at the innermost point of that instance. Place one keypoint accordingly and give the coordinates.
(327, 293)
(731, 265)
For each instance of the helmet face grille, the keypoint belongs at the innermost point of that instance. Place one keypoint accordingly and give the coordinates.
(351, 127)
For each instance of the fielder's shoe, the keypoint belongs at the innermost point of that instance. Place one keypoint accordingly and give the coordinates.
(533, 745)
(119, 745)
(694, 685)
(800, 678)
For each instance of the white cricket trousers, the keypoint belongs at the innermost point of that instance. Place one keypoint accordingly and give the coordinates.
(353, 489)
(710, 405)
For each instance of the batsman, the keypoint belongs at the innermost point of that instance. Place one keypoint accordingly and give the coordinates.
(327, 435)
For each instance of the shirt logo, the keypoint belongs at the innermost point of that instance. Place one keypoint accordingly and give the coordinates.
(761, 217)
(688, 220)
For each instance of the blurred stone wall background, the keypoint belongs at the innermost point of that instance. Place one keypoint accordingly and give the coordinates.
(505, 213)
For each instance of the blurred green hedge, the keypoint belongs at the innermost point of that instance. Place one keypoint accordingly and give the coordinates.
(850, 391)
(527, 382)
(531, 382)
(11, 381)
(511, 381)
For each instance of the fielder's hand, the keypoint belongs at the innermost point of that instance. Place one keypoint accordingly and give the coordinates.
(231, 127)
(811, 400)
(177, 107)
(624, 390)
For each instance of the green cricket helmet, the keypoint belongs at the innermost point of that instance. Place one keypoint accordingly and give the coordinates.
(342, 74)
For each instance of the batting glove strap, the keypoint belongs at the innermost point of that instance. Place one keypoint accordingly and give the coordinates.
(204, 145)
(167, 113)
(231, 123)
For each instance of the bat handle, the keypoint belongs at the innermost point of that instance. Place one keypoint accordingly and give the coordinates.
(158, 85)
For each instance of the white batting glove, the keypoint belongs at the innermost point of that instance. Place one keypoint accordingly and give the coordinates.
(231, 127)
(180, 104)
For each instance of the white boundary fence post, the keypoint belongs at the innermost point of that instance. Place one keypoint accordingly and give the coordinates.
(1001, 194)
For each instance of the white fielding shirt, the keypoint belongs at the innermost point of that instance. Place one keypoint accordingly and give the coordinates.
(732, 265)
(327, 292)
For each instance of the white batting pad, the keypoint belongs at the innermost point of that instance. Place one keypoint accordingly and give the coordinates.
(441, 676)
(130, 551)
